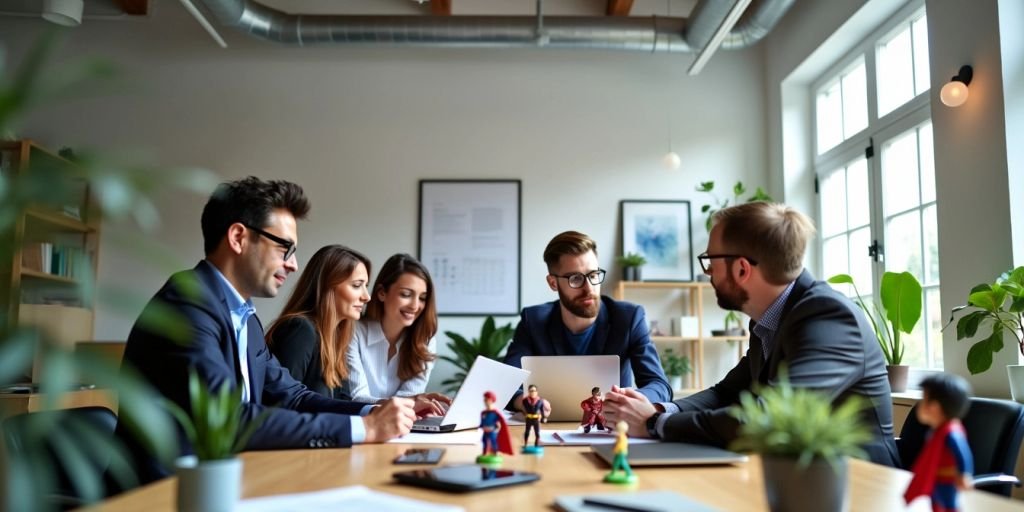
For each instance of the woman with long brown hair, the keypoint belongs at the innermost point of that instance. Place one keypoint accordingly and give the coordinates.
(393, 347)
(311, 336)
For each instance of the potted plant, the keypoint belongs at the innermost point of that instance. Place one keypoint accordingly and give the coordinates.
(676, 367)
(631, 263)
(999, 306)
(738, 190)
(901, 307)
(491, 344)
(804, 443)
(211, 479)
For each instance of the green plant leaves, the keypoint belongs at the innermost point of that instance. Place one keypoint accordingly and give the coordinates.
(491, 344)
(901, 298)
(1000, 304)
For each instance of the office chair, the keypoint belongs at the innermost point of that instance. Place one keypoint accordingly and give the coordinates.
(80, 426)
(994, 431)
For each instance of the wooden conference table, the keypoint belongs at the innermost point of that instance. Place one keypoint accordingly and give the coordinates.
(564, 471)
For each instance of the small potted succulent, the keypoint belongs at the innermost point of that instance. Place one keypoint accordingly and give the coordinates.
(804, 443)
(631, 264)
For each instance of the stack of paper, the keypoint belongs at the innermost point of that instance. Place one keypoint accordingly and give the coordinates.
(355, 497)
(578, 438)
(643, 501)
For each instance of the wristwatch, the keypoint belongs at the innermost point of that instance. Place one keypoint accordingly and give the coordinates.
(652, 425)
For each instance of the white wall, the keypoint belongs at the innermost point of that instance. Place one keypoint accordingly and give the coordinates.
(358, 127)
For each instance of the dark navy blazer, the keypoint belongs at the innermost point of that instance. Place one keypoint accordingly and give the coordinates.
(191, 306)
(620, 329)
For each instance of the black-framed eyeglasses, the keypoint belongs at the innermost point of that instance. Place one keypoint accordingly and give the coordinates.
(705, 259)
(288, 246)
(576, 279)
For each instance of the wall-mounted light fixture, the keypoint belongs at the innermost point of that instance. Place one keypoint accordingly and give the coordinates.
(954, 93)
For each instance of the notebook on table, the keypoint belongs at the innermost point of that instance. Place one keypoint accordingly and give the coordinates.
(565, 381)
(485, 375)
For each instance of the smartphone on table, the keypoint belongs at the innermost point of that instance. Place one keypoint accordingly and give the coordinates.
(464, 478)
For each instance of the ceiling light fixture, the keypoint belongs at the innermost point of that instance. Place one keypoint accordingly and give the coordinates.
(63, 12)
(955, 92)
(671, 160)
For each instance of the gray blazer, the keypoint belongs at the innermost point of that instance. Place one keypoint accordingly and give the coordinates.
(827, 344)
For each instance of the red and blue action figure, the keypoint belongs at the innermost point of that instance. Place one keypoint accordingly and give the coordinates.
(495, 432)
(945, 464)
(535, 411)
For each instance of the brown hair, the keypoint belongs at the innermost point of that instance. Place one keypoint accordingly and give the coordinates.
(414, 355)
(568, 242)
(313, 298)
(772, 234)
(249, 201)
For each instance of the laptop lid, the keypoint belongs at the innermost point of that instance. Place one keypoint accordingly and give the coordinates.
(670, 454)
(565, 381)
(485, 375)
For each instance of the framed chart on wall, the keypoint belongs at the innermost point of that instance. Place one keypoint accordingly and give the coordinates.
(469, 239)
(660, 232)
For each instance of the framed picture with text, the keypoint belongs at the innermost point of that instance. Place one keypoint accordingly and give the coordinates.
(660, 232)
(470, 239)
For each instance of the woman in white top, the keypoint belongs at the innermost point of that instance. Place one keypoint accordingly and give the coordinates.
(393, 347)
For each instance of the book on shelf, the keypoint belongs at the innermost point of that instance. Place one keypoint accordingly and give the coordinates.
(59, 260)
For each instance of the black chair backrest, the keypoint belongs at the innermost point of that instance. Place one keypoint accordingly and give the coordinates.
(98, 419)
(994, 431)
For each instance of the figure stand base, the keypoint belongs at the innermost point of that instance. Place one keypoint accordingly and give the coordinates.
(620, 478)
(490, 460)
(533, 450)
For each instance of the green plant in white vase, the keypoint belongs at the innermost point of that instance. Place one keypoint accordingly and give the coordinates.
(676, 367)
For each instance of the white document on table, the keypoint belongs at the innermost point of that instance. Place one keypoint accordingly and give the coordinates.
(356, 497)
(457, 437)
(578, 438)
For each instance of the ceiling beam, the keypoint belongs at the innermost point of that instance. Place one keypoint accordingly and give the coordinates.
(441, 7)
(134, 7)
(619, 7)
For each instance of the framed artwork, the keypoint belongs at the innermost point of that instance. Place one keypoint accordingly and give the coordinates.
(660, 232)
(470, 239)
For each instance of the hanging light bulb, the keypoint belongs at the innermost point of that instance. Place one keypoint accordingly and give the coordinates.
(671, 161)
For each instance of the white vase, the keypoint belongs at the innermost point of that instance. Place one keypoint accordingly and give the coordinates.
(676, 381)
(208, 486)
(1016, 374)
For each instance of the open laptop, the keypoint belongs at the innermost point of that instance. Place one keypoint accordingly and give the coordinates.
(670, 454)
(485, 375)
(565, 381)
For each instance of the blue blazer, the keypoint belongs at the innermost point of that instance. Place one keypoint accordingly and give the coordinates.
(187, 325)
(620, 329)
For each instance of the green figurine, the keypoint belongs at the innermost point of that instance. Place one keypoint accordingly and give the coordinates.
(621, 473)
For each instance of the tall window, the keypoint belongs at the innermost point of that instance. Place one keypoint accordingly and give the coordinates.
(875, 171)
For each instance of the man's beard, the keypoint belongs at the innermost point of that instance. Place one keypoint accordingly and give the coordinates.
(730, 296)
(578, 309)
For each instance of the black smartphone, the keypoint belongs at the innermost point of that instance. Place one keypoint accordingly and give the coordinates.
(420, 456)
(464, 478)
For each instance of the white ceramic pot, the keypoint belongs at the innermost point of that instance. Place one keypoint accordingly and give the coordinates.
(208, 486)
(1016, 374)
(676, 381)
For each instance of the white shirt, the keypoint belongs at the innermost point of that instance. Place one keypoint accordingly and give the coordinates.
(371, 377)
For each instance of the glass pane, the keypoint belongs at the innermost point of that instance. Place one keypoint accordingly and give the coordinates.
(914, 352)
(899, 173)
(855, 101)
(859, 207)
(833, 203)
(922, 78)
(829, 109)
(903, 243)
(931, 246)
(860, 262)
(933, 310)
(834, 253)
(895, 72)
(927, 153)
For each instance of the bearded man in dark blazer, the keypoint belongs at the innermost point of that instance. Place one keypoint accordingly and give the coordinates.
(755, 259)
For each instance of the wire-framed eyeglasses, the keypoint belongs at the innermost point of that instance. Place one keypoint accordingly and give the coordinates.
(577, 279)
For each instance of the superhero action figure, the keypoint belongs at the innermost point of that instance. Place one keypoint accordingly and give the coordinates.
(495, 432)
(945, 464)
(535, 410)
(621, 473)
(592, 415)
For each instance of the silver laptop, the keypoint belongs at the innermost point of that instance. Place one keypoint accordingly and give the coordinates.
(565, 381)
(485, 375)
(670, 454)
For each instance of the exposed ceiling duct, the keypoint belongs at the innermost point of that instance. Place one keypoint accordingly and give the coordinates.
(654, 34)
